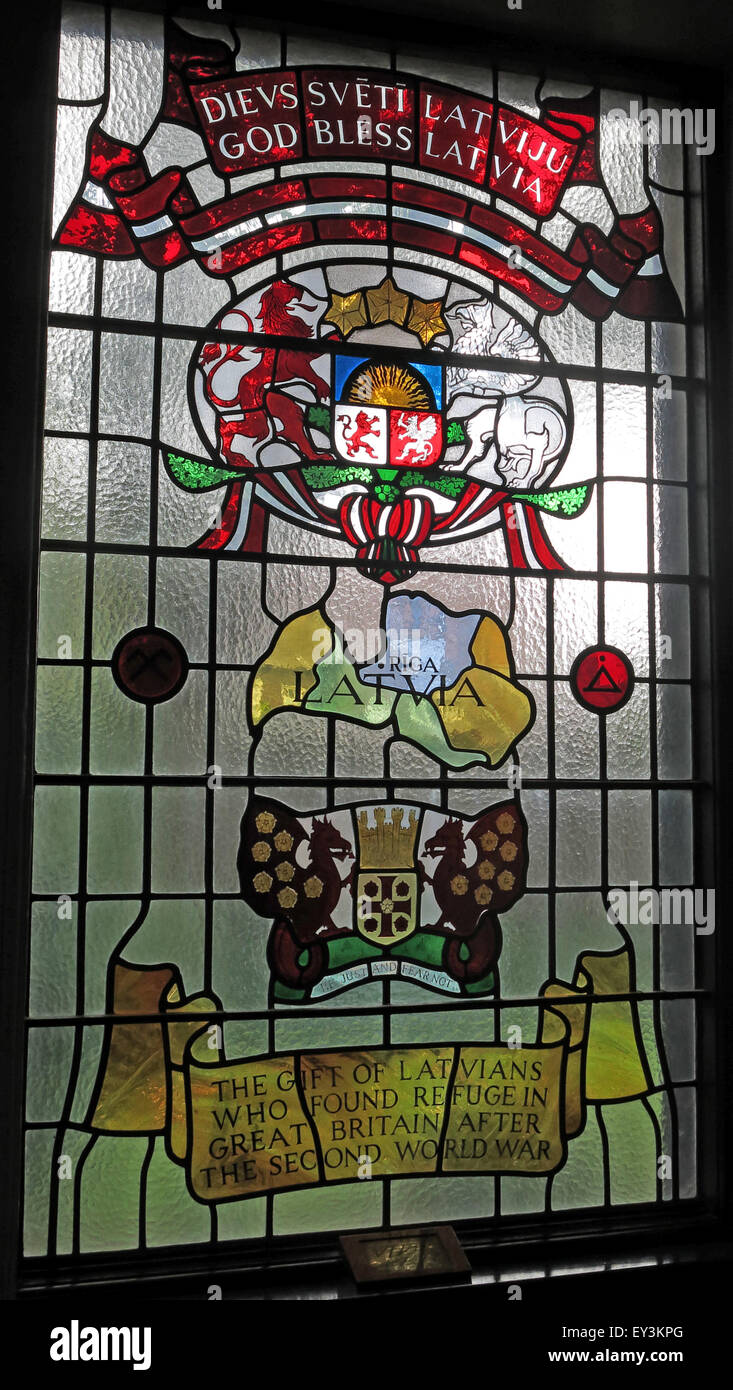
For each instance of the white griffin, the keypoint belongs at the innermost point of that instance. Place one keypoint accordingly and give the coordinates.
(417, 438)
(486, 330)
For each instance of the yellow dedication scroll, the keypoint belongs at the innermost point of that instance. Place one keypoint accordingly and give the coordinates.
(320, 1118)
(274, 1123)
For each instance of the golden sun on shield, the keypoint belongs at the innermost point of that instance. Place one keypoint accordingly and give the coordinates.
(387, 384)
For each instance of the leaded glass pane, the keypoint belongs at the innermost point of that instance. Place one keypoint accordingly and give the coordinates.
(365, 730)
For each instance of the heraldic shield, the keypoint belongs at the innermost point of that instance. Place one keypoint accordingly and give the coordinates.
(387, 885)
(388, 415)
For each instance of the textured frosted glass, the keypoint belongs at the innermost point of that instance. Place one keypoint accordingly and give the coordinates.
(239, 966)
(114, 863)
(116, 729)
(529, 635)
(624, 430)
(670, 435)
(626, 622)
(56, 840)
(580, 1182)
(668, 348)
(180, 729)
(625, 527)
(61, 605)
(71, 283)
(570, 336)
(244, 631)
(678, 1021)
(675, 837)
(293, 745)
(632, 1153)
(58, 719)
(120, 599)
(671, 530)
(81, 53)
(535, 805)
(182, 603)
(533, 751)
(232, 731)
(576, 736)
(629, 837)
(524, 964)
(107, 923)
(172, 1215)
(178, 840)
(441, 1199)
(49, 1063)
(38, 1152)
(578, 837)
(673, 630)
(576, 620)
(623, 349)
(68, 379)
(674, 731)
(687, 1128)
(123, 492)
(348, 1208)
(65, 483)
(627, 737)
(128, 290)
(110, 1194)
(125, 381)
(53, 961)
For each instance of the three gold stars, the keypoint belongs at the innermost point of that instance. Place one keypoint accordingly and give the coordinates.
(385, 303)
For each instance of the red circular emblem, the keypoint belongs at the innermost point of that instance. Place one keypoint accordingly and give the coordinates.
(149, 665)
(602, 679)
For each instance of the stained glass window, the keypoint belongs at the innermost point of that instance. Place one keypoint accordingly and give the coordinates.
(365, 729)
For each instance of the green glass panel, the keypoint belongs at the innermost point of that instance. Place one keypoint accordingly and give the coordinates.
(110, 1194)
(38, 1150)
(61, 606)
(49, 1065)
(327, 1032)
(519, 1197)
(354, 1206)
(73, 1146)
(92, 1048)
(58, 719)
(580, 1182)
(56, 840)
(172, 930)
(241, 1220)
(120, 600)
(458, 1025)
(178, 840)
(441, 1199)
(632, 1152)
(232, 736)
(115, 840)
(116, 729)
(107, 923)
(172, 1217)
(240, 973)
(53, 959)
(179, 739)
(182, 603)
